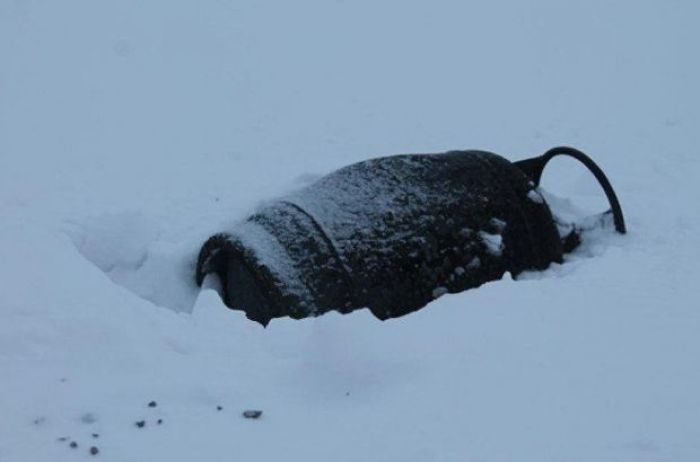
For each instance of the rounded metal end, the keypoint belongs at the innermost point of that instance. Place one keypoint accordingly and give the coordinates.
(249, 294)
(243, 284)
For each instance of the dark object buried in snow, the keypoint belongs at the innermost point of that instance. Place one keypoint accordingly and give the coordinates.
(392, 234)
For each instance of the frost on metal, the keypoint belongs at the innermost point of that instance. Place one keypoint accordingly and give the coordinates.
(390, 234)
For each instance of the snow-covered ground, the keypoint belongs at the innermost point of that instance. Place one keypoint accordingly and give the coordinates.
(130, 131)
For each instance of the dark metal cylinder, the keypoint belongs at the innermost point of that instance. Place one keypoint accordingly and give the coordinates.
(390, 234)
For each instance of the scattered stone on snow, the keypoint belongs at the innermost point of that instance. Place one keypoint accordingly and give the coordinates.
(252, 414)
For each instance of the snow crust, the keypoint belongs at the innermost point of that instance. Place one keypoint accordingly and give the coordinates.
(132, 131)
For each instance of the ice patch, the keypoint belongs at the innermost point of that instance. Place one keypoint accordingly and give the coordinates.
(493, 242)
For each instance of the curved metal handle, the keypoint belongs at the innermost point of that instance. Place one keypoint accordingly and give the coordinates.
(534, 167)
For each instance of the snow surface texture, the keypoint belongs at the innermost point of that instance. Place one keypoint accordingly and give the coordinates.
(131, 131)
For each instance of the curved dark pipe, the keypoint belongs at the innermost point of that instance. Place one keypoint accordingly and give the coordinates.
(535, 166)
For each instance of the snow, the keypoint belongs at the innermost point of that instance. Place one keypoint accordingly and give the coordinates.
(535, 196)
(130, 132)
(493, 242)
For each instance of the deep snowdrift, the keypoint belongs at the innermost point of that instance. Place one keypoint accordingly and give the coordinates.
(130, 133)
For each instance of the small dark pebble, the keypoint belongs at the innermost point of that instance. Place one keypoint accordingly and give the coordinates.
(252, 414)
(152, 404)
(219, 408)
(140, 423)
(73, 445)
(94, 451)
(160, 421)
(95, 435)
(39, 421)
(63, 438)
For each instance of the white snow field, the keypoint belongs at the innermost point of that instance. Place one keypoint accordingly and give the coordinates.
(130, 131)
